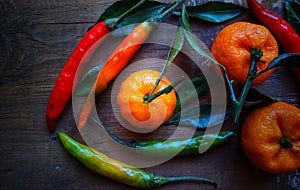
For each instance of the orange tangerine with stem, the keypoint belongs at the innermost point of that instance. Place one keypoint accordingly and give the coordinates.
(232, 45)
(132, 102)
(271, 137)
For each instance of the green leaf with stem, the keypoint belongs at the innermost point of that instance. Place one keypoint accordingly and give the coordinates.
(195, 45)
(130, 22)
(177, 44)
(118, 8)
(128, 13)
(143, 14)
(117, 16)
(214, 11)
(293, 14)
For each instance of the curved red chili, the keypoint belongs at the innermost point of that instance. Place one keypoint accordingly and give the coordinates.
(62, 90)
(286, 35)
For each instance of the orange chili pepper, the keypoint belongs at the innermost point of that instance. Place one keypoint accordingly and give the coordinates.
(123, 53)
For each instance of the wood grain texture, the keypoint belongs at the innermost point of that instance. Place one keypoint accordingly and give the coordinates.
(36, 39)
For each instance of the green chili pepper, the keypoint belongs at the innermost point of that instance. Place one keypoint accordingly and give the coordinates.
(183, 146)
(118, 171)
(178, 147)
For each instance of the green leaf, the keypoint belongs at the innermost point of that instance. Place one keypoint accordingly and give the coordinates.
(192, 41)
(287, 59)
(140, 14)
(191, 117)
(254, 95)
(146, 11)
(187, 94)
(214, 11)
(117, 9)
(293, 14)
(185, 19)
(196, 46)
(176, 45)
(85, 84)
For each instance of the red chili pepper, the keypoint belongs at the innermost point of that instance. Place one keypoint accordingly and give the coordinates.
(119, 59)
(286, 35)
(62, 90)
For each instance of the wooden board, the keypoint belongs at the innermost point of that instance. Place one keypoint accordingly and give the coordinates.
(36, 39)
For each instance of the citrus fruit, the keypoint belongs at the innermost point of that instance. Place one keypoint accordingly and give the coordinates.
(133, 108)
(231, 48)
(271, 137)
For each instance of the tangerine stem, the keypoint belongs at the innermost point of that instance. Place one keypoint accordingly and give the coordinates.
(168, 89)
(285, 143)
(256, 54)
(159, 78)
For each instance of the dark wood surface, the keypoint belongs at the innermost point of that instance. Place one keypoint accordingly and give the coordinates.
(36, 39)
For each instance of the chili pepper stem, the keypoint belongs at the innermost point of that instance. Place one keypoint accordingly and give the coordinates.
(168, 89)
(159, 180)
(238, 105)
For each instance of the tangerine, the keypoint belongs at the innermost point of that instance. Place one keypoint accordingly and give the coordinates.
(134, 109)
(271, 137)
(232, 45)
